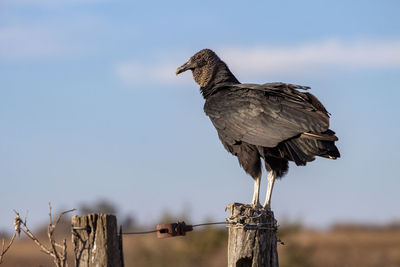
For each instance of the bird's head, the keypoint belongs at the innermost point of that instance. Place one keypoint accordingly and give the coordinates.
(203, 65)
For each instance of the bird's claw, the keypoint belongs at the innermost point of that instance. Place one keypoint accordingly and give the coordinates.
(267, 207)
(256, 206)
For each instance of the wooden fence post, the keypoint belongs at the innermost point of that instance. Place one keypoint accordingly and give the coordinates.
(252, 237)
(96, 241)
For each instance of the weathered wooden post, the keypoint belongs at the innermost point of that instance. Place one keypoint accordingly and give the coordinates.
(96, 241)
(252, 237)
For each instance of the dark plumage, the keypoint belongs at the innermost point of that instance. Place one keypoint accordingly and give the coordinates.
(273, 121)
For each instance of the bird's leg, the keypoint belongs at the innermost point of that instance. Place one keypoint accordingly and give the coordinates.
(256, 194)
(270, 186)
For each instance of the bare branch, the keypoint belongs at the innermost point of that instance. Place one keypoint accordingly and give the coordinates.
(50, 231)
(26, 230)
(59, 258)
(59, 245)
(62, 214)
(17, 225)
(4, 250)
(26, 216)
(50, 221)
(64, 253)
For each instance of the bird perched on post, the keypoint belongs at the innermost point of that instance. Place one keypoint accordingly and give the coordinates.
(273, 121)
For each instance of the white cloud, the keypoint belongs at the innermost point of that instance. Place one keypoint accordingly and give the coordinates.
(253, 62)
(57, 38)
(312, 56)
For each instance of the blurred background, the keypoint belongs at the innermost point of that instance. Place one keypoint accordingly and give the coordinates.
(92, 115)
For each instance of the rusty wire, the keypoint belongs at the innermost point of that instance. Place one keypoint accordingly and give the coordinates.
(230, 224)
(155, 231)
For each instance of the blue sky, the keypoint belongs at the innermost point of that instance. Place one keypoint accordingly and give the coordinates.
(90, 106)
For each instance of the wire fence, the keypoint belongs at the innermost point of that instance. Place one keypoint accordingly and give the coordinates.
(180, 228)
(158, 230)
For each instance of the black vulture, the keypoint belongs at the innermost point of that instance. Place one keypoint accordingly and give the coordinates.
(273, 121)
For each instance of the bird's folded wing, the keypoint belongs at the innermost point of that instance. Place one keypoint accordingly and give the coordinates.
(264, 117)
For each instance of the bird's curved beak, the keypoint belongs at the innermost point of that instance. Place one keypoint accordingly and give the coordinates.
(187, 66)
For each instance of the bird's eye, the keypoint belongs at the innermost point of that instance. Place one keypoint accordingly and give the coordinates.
(201, 62)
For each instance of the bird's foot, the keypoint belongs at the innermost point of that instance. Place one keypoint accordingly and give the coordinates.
(267, 207)
(256, 206)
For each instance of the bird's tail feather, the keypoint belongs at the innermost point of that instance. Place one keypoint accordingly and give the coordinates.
(304, 148)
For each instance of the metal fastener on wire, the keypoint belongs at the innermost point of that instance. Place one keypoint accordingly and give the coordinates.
(180, 228)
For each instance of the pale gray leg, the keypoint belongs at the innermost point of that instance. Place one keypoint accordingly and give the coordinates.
(256, 194)
(271, 181)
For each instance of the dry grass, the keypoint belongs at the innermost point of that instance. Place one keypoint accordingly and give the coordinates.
(342, 246)
(202, 248)
(25, 253)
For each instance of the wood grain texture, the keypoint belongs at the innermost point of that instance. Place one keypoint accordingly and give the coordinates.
(251, 247)
(96, 241)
